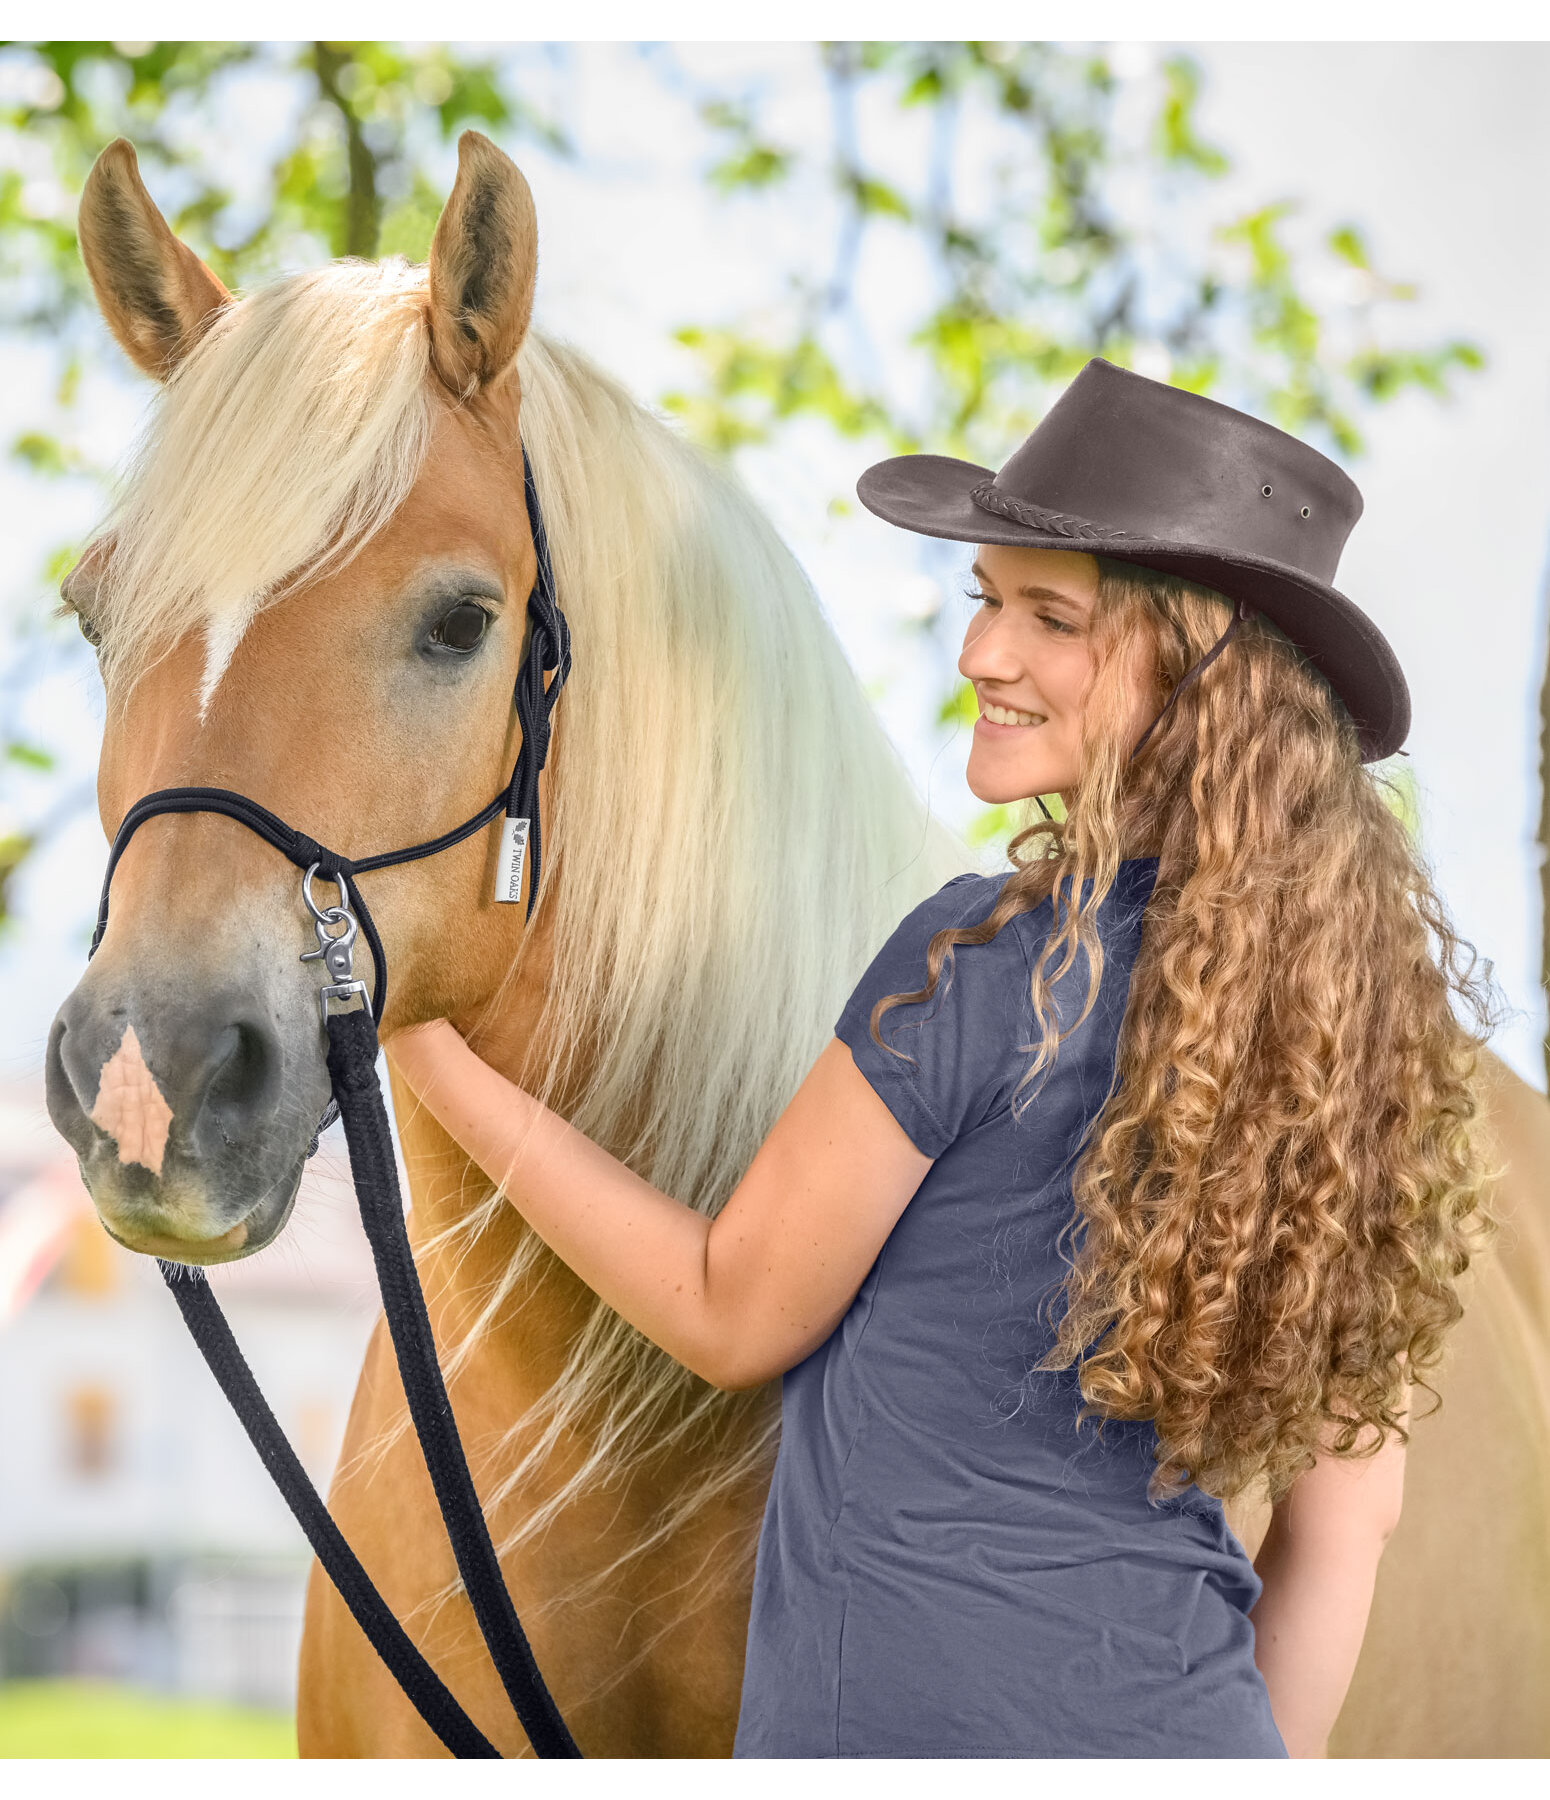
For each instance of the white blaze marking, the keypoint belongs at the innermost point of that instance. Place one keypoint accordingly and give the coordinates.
(130, 1106)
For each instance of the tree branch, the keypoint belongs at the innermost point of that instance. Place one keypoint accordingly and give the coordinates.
(362, 208)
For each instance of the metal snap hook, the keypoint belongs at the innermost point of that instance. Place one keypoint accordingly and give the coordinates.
(336, 950)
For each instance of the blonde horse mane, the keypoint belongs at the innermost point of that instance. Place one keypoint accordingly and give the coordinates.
(737, 836)
(731, 833)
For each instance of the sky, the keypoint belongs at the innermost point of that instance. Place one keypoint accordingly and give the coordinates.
(1439, 151)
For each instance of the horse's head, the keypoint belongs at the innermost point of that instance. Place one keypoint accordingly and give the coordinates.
(312, 592)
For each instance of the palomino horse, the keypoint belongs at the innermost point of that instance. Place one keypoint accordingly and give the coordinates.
(330, 493)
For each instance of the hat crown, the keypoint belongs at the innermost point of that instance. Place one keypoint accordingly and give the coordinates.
(1140, 457)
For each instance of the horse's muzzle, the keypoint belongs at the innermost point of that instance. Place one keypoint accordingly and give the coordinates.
(190, 1134)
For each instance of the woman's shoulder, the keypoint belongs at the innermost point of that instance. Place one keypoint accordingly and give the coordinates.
(969, 897)
(943, 1080)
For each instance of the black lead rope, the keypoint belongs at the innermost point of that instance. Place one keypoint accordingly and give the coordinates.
(425, 1689)
(357, 1100)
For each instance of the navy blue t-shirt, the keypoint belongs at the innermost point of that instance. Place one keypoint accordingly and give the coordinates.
(947, 1566)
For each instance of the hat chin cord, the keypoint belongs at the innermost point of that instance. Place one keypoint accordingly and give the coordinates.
(1240, 613)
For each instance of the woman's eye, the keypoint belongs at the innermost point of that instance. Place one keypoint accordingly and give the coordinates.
(89, 631)
(978, 598)
(1061, 627)
(463, 628)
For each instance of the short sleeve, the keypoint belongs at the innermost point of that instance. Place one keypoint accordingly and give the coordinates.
(963, 1039)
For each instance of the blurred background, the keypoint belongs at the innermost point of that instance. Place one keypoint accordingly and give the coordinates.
(809, 256)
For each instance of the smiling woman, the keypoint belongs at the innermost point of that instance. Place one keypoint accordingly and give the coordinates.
(1249, 1090)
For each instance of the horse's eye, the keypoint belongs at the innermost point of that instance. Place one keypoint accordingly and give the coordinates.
(463, 628)
(76, 592)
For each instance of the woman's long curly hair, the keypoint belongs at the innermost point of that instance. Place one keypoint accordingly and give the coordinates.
(1277, 1200)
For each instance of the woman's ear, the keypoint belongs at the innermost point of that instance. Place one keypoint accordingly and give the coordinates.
(483, 266)
(155, 294)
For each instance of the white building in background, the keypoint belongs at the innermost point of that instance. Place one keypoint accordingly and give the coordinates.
(140, 1537)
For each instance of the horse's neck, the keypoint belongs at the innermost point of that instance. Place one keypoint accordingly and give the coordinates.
(459, 1272)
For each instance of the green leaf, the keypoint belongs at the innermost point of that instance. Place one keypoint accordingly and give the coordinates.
(1401, 793)
(1347, 243)
(45, 454)
(58, 563)
(409, 224)
(873, 196)
(1174, 136)
(988, 824)
(30, 756)
(756, 166)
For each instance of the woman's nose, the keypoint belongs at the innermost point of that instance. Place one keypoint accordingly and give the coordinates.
(989, 651)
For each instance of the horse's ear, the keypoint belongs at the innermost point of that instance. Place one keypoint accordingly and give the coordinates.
(155, 294)
(483, 264)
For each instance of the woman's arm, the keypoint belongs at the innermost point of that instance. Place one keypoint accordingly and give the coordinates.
(737, 1299)
(1319, 1563)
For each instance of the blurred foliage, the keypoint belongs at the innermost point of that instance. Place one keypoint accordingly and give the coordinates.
(1058, 244)
(1402, 796)
(1042, 192)
(348, 180)
(1045, 212)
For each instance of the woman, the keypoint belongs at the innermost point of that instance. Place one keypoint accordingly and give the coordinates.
(1036, 1318)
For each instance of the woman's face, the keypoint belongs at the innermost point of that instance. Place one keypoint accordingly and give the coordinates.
(1027, 652)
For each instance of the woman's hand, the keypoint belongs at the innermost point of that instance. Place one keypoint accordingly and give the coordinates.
(433, 1057)
(420, 1046)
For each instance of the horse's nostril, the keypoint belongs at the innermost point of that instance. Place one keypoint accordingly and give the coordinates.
(241, 1088)
(243, 1067)
(62, 1087)
(79, 1050)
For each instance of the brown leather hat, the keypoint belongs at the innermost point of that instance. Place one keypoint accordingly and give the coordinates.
(1131, 468)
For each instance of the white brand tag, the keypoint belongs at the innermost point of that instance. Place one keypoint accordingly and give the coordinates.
(513, 853)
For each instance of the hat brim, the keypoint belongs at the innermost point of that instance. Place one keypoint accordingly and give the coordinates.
(931, 495)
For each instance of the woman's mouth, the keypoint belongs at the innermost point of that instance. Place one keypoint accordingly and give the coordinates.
(998, 721)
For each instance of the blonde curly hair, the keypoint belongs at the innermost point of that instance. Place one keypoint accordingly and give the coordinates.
(1278, 1198)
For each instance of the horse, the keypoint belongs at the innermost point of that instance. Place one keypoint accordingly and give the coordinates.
(334, 468)
(1466, 1575)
